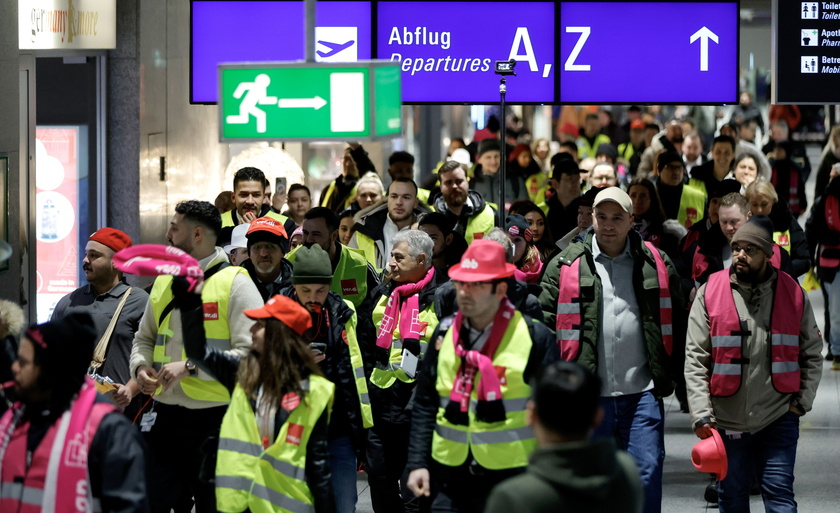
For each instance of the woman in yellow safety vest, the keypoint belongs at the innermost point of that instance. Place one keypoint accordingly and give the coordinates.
(272, 452)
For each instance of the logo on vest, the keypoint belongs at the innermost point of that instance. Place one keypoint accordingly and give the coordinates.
(784, 240)
(691, 213)
(469, 263)
(294, 434)
(501, 373)
(81, 502)
(290, 401)
(211, 311)
(478, 235)
(75, 454)
(349, 287)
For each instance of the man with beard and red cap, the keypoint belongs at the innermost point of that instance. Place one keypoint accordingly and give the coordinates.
(753, 363)
(63, 448)
(268, 244)
(469, 427)
(113, 304)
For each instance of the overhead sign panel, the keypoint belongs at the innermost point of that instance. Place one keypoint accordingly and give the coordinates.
(262, 31)
(806, 46)
(67, 25)
(690, 56)
(447, 50)
(300, 101)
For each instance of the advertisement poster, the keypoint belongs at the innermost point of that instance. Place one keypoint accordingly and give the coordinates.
(56, 227)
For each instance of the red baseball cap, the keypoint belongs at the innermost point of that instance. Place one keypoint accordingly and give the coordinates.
(286, 310)
(111, 237)
(637, 124)
(267, 224)
(484, 260)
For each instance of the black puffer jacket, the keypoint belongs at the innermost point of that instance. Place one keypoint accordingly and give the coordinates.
(820, 235)
(224, 368)
(784, 221)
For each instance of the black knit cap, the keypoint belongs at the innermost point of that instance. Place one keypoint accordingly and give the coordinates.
(64, 348)
(488, 145)
(563, 166)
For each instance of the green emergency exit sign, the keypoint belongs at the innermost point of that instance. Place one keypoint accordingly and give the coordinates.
(294, 101)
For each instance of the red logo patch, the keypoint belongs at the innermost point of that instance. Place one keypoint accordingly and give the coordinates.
(294, 434)
(211, 311)
(290, 401)
(501, 373)
(349, 287)
(344, 337)
(478, 235)
(784, 240)
(691, 213)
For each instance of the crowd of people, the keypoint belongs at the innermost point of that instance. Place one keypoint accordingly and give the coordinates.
(463, 363)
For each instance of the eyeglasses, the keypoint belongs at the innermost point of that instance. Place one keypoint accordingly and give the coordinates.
(749, 250)
(469, 285)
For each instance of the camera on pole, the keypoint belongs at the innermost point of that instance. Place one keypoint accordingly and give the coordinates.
(503, 68)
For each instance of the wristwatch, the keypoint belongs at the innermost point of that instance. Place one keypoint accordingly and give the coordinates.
(191, 368)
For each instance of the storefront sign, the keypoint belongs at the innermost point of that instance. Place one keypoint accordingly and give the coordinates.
(648, 52)
(67, 24)
(262, 31)
(447, 50)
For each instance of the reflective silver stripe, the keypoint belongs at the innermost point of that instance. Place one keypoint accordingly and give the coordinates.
(665, 302)
(233, 445)
(397, 343)
(360, 372)
(511, 405)
(365, 398)
(160, 340)
(667, 329)
(423, 347)
(234, 483)
(451, 434)
(285, 468)
(569, 334)
(222, 344)
(785, 340)
(24, 494)
(782, 367)
(726, 341)
(501, 437)
(568, 308)
(727, 369)
(280, 500)
(97, 506)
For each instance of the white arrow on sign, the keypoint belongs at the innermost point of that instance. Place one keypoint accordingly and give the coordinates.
(704, 34)
(302, 103)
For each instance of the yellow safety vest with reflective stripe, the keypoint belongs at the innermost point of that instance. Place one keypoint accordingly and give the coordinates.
(227, 218)
(536, 184)
(423, 197)
(358, 367)
(274, 479)
(478, 226)
(350, 276)
(497, 445)
(386, 377)
(368, 248)
(216, 298)
(692, 205)
(698, 185)
(333, 190)
(782, 239)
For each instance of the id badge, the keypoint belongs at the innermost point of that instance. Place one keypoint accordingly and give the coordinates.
(147, 421)
(409, 364)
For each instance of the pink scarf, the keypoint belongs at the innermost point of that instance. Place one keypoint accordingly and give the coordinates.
(68, 463)
(489, 386)
(530, 272)
(408, 315)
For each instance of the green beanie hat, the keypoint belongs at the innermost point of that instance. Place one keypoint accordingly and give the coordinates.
(312, 266)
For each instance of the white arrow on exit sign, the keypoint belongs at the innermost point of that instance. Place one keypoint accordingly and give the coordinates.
(302, 103)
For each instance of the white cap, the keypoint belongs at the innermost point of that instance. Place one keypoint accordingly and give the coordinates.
(237, 238)
(461, 156)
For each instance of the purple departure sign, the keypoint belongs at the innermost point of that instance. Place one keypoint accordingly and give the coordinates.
(448, 49)
(648, 52)
(258, 31)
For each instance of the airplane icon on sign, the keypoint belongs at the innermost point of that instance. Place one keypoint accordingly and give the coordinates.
(334, 47)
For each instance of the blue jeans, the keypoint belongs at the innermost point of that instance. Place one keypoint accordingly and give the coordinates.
(637, 422)
(769, 456)
(833, 307)
(343, 467)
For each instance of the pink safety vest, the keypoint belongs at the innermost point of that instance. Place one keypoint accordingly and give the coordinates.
(830, 255)
(569, 323)
(22, 489)
(727, 335)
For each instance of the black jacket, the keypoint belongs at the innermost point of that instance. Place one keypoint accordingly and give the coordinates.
(524, 296)
(224, 368)
(460, 222)
(783, 220)
(269, 290)
(346, 419)
(427, 400)
(393, 404)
